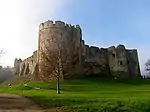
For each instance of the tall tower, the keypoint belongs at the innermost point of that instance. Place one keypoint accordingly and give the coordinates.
(54, 38)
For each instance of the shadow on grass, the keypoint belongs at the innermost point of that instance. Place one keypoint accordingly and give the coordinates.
(107, 79)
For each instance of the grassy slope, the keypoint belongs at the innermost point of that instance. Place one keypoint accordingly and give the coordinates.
(93, 95)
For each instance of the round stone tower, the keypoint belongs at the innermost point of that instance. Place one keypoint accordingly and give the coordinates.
(59, 45)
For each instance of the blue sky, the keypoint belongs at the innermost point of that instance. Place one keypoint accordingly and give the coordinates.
(104, 23)
(107, 22)
(112, 22)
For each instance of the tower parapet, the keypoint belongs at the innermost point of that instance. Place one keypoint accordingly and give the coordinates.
(58, 24)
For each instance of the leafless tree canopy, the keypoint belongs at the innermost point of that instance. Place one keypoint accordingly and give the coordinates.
(5, 72)
(147, 66)
(1, 52)
(53, 55)
(58, 55)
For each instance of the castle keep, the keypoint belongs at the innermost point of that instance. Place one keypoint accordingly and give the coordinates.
(61, 42)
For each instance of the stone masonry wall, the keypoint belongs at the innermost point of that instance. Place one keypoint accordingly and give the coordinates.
(55, 37)
(26, 66)
(77, 58)
(133, 62)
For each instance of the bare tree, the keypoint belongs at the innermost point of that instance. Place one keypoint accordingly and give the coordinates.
(1, 52)
(56, 55)
(62, 54)
(147, 66)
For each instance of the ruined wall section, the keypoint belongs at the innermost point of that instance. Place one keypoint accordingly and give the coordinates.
(95, 60)
(27, 65)
(76, 57)
(51, 36)
(16, 68)
(118, 61)
(123, 62)
(133, 63)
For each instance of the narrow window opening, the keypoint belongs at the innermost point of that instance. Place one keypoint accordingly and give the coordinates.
(120, 63)
(63, 72)
(113, 55)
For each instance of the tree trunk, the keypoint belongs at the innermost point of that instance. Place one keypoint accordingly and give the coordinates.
(58, 85)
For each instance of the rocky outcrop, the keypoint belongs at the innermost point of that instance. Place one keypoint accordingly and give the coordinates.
(61, 45)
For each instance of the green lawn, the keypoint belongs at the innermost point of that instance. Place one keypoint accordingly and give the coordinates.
(89, 95)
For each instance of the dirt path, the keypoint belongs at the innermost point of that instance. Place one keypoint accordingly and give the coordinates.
(15, 103)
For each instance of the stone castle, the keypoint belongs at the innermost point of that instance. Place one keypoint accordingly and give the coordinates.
(63, 42)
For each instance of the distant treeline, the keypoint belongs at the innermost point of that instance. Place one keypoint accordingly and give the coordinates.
(5, 73)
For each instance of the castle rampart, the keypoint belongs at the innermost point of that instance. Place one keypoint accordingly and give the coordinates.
(77, 58)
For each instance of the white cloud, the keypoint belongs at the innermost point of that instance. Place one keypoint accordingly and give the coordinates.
(19, 25)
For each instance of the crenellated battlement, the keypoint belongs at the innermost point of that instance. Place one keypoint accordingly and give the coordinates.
(58, 24)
